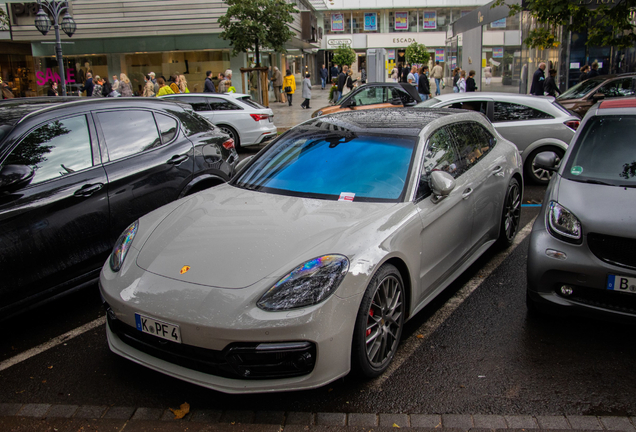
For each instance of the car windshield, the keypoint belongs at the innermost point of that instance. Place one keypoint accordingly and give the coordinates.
(581, 89)
(429, 103)
(605, 152)
(333, 165)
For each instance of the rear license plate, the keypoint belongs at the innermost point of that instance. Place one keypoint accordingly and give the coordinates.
(621, 283)
(158, 328)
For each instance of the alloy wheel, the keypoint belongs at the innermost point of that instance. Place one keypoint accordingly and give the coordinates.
(512, 211)
(384, 322)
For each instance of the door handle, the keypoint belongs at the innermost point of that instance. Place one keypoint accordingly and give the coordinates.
(88, 189)
(467, 193)
(498, 171)
(177, 159)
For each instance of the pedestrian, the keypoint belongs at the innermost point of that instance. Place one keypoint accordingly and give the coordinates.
(163, 88)
(349, 83)
(411, 78)
(455, 79)
(115, 84)
(208, 86)
(174, 83)
(488, 74)
(471, 86)
(183, 84)
(584, 73)
(306, 92)
(324, 74)
(538, 80)
(334, 72)
(5, 92)
(438, 74)
(98, 86)
(594, 72)
(550, 86)
(363, 74)
(399, 72)
(149, 88)
(107, 88)
(277, 82)
(125, 88)
(53, 89)
(461, 82)
(88, 85)
(289, 84)
(222, 86)
(342, 80)
(269, 78)
(423, 84)
(154, 82)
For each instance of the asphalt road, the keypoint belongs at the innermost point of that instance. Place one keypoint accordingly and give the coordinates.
(487, 357)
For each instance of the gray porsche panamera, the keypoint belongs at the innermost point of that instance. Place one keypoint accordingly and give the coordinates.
(309, 262)
(582, 255)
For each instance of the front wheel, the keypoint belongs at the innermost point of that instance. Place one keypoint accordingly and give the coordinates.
(539, 175)
(379, 323)
(511, 216)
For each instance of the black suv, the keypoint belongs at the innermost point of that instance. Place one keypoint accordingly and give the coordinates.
(75, 172)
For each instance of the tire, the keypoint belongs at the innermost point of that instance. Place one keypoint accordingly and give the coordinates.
(511, 215)
(379, 323)
(538, 175)
(233, 134)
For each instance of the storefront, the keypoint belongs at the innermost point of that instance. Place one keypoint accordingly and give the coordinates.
(16, 68)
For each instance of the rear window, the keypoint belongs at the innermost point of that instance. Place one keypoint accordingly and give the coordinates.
(248, 101)
(429, 103)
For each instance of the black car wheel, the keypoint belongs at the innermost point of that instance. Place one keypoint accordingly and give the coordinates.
(379, 323)
(511, 216)
(233, 134)
(539, 175)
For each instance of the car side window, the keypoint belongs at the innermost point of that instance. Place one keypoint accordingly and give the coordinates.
(398, 93)
(371, 96)
(56, 149)
(128, 132)
(505, 111)
(479, 106)
(440, 155)
(168, 127)
(473, 143)
(617, 88)
(217, 104)
(198, 104)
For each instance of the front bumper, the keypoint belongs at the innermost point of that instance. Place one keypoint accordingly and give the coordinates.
(581, 271)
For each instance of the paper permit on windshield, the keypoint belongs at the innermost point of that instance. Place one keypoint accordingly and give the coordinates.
(346, 196)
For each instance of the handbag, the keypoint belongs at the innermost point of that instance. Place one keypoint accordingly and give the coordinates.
(288, 89)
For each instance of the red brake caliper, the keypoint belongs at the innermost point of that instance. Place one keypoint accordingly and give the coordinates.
(370, 314)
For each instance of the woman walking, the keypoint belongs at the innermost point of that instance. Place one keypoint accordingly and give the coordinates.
(306, 92)
(183, 84)
(455, 79)
(289, 85)
(125, 88)
(99, 86)
(461, 82)
(149, 88)
(163, 88)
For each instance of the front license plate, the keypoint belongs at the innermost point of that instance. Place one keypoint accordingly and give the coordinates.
(621, 283)
(158, 328)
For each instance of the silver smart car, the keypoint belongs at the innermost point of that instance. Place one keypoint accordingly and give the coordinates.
(582, 255)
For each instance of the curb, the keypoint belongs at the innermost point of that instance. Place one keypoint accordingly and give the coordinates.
(282, 419)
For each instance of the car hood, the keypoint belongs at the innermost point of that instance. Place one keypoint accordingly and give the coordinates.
(232, 238)
(602, 209)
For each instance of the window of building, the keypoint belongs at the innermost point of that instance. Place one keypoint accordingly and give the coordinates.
(338, 23)
(366, 22)
(403, 21)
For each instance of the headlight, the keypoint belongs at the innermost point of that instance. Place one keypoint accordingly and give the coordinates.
(122, 245)
(562, 223)
(306, 285)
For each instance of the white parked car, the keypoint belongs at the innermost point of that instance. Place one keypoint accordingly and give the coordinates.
(236, 114)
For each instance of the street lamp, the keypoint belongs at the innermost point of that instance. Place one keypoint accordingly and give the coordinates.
(43, 24)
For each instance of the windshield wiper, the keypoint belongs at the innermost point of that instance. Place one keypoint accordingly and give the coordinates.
(628, 185)
(592, 181)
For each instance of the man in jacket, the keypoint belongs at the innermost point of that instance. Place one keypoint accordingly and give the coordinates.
(538, 80)
(208, 86)
(88, 85)
(438, 74)
(277, 80)
(423, 85)
(550, 86)
(405, 73)
(324, 73)
(334, 71)
(342, 79)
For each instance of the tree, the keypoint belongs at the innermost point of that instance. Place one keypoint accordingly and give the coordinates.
(607, 22)
(417, 54)
(4, 20)
(252, 24)
(344, 55)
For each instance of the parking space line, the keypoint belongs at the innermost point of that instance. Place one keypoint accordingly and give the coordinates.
(52, 343)
(409, 346)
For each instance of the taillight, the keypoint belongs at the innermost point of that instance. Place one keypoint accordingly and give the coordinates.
(259, 117)
(573, 124)
(229, 144)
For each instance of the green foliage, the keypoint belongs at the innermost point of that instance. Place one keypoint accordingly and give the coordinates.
(344, 55)
(417, 54)
(251, 24)
(607, 22)
(4, 20)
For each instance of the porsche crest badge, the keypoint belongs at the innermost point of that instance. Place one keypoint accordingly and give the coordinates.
(185, 269)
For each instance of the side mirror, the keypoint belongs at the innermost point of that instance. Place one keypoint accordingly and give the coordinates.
(14, 177)
(598, 96)
(546, 160)
(348, 103)
(396, 101)
(442, 184)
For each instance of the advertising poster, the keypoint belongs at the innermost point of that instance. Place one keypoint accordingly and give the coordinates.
(401, 20)
(453, 62)
(370, 21)
(390, 53)
(430, 20)
(337, 22)
(439, 55)
(497, 52)
(501, 24)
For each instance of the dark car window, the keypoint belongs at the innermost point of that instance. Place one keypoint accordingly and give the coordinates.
(192, 122)
(398, 93)
(505, 112)
(55, 149)
(168, 127)
(617, 88)
(478, 106)
(198, 103)
(128, 132)
(217, 104)
(473, 143)
(371, 95)
(441, 155)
